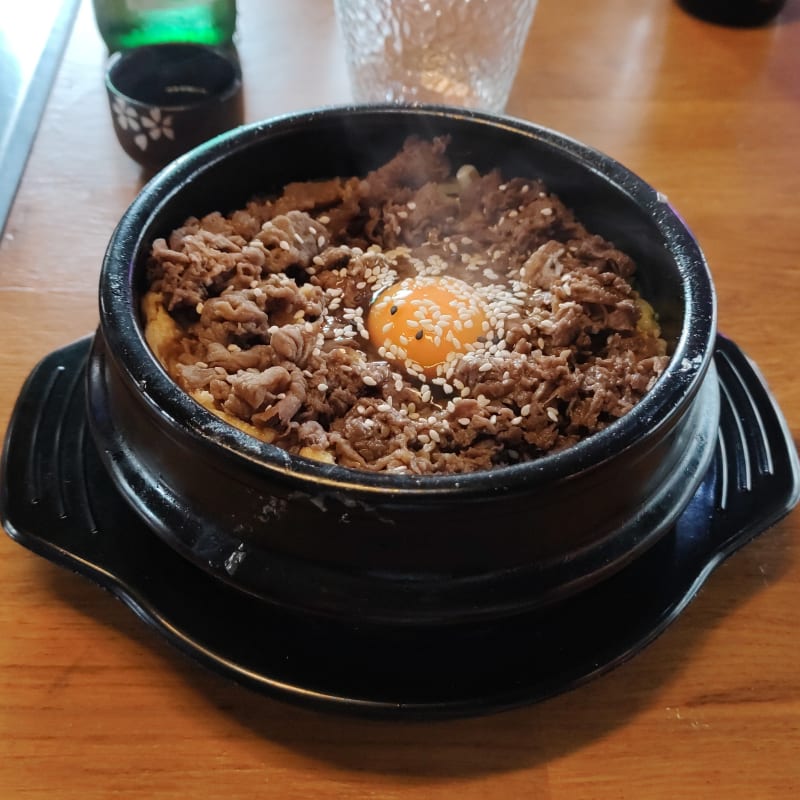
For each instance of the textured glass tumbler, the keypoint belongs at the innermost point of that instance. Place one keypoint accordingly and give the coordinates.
(453, 52)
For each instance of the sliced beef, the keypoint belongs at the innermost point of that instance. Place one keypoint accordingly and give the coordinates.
(272, 300)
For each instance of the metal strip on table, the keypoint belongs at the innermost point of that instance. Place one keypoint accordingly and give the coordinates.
(32, 41)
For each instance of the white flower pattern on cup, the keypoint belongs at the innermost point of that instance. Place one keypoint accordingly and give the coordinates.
(150, 126)
(156, 127)
(126, 116)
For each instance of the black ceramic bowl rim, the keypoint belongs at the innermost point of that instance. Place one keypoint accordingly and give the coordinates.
(118, 60)
(124, 335)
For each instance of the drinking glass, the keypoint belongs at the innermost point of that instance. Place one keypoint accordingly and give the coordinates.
(452, 52)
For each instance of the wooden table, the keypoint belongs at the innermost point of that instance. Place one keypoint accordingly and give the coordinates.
(94, 705)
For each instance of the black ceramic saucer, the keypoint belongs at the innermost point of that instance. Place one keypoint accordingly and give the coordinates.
(57, 500)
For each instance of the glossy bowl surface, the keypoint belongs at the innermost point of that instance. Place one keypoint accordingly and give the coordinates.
(390, 549)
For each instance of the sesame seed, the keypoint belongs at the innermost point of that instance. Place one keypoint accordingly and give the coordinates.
(552, 413)
(323, 387)
(369, 380)
(284, 245)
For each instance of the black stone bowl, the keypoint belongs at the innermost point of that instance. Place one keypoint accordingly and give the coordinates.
(401, 550)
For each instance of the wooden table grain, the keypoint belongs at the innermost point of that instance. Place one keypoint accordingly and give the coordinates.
(94, 705)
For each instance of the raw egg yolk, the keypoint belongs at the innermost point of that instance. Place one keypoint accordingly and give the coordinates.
(421, 323)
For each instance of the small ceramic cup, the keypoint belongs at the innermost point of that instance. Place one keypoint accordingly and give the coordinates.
(166, 99)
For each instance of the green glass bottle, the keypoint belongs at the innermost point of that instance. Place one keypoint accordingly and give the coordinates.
(130, 23)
